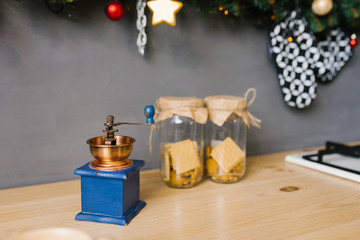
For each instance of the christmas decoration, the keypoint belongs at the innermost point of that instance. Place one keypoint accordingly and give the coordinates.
(264, 12)
(301, 59)
(164, 11)
(344, 14)
(114, 11)
(140, 25)
(334, 52)
(294, 60)
(353, 42)
(322, 7)
(322, 16)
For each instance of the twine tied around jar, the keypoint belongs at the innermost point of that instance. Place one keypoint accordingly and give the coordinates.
(227, 108)
(167, 107)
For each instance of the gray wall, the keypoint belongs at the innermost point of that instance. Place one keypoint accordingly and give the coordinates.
(61, 76)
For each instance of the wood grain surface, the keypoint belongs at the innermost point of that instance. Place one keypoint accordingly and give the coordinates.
(275, 200)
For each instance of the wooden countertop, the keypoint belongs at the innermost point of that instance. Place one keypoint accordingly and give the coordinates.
(324, 207)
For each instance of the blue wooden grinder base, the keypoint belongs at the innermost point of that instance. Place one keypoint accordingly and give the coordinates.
(110, 196)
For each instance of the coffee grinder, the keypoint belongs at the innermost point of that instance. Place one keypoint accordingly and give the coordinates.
(110, 183)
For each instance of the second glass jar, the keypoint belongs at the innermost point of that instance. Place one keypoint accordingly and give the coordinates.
(226, 151)
(226, 136)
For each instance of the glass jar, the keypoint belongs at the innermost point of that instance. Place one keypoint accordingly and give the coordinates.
(181, 151)
(226, 151)
(181, 123)
(226, 136)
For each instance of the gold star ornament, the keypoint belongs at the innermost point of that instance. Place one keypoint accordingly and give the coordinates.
(164, 11)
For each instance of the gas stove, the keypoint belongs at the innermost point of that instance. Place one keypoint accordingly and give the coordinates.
(337, 159)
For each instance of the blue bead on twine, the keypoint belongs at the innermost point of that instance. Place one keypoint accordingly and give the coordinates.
(149, 112)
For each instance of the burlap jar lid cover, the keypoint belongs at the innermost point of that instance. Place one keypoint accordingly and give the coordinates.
(191, 107)
(167, 107)
(226, 108)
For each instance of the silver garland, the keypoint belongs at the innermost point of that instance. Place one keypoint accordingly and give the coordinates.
(140, 25)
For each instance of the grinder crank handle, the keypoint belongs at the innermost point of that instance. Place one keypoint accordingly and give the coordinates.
(149, 112)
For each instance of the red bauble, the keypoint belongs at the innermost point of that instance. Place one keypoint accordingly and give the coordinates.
(114, 11)
(353, 42)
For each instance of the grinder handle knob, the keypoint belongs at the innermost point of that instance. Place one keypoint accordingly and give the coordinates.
(149, 112)
(110, 119)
